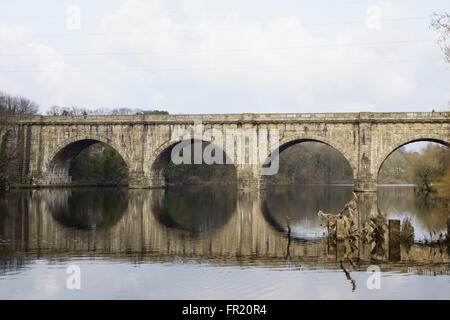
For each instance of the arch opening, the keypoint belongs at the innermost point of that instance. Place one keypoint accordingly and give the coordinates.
(312, 176)
(310, 161)
(414, 185)
(87, 161)
(398, 165)
(197, 170)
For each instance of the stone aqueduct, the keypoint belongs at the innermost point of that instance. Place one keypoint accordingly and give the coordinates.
(48, 143)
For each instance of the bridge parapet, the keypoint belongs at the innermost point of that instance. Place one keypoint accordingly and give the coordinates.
(284, 117)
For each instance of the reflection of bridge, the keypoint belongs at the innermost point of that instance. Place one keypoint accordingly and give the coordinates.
(48, 144)
(247, 238)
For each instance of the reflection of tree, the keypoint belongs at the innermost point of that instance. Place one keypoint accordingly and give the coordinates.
(200, 208)
(430, 212)
(13, 216)
(13, 206)
(7, 204)
(82, 210)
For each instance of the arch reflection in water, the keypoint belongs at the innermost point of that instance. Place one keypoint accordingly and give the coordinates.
(196, 209)
(77, 208)
(241, 237)
(301, 203)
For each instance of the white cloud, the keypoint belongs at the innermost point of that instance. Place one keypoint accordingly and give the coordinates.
(225, 64)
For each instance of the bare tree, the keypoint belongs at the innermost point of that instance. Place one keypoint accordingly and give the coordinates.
(76, 111)
(3, 115)
(63, 111)
(17, 105)
(425, 170)
(54, 110)
(9, 106)
(440, 22)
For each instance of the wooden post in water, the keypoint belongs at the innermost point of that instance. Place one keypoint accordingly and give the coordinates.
(340, 232)
(340, 250)
(394, 240)
(340, 245)
(331, 231)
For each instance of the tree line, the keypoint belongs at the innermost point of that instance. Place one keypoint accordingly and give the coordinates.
(79, 111)
(429, 169)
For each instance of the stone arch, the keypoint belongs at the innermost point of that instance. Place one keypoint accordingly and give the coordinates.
(431, 137)
(56, 166)
(293, 139)
(161, 157)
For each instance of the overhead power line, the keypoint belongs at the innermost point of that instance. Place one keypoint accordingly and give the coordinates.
(143, 69)
(355, 44)
(196, 28)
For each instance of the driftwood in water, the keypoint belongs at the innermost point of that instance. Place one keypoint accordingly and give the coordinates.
(330, 222)
(373, 232)
(342, 226)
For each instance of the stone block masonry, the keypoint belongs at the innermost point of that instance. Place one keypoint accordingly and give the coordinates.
(365, 139)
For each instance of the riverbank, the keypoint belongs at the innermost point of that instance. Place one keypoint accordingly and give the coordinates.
(197, 183)
(72, 185)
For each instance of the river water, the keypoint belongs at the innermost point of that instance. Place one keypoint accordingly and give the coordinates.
(213, 243)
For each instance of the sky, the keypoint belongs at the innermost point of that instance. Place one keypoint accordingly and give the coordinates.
(203, 56)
